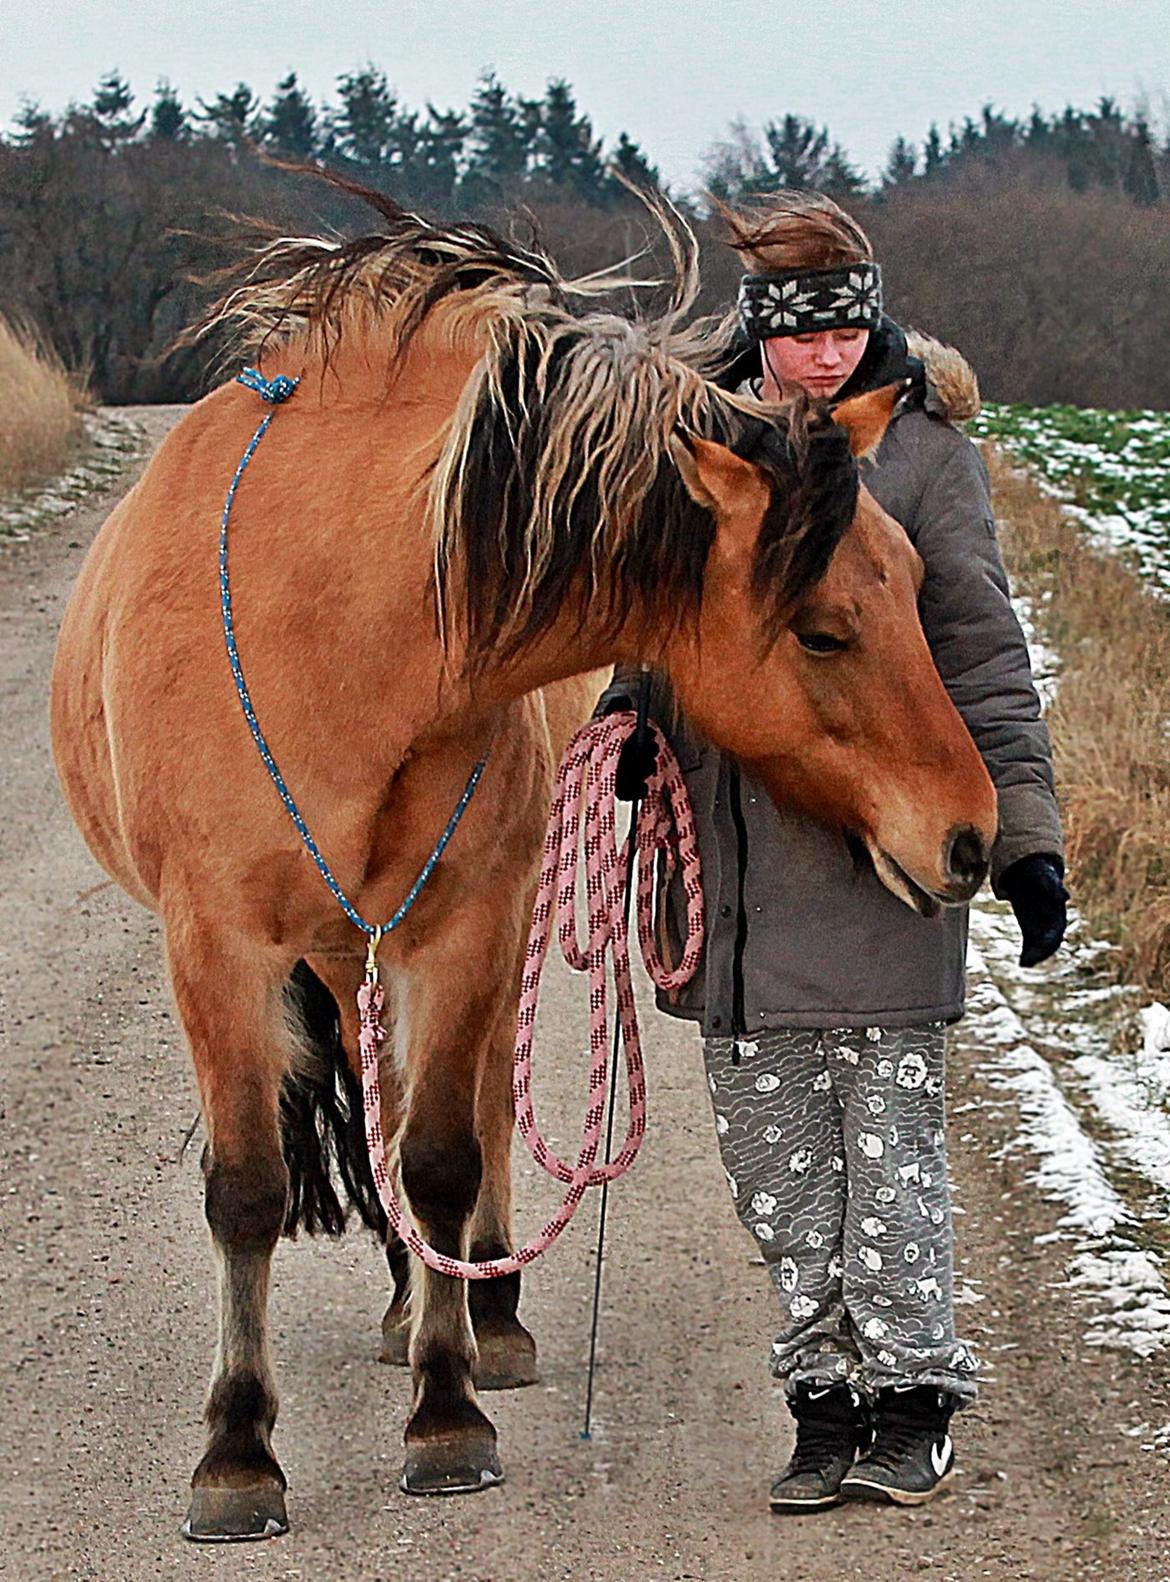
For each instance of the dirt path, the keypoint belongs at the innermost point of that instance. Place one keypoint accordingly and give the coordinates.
(106, 1291)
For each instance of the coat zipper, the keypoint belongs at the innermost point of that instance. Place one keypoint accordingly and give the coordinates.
(738, 1015)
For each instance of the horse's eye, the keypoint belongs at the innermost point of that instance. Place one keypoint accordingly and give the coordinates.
(821, 642)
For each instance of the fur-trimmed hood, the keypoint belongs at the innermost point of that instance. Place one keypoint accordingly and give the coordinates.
(944, 381)
(950, 379)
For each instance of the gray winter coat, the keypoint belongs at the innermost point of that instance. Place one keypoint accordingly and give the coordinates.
(799, 935)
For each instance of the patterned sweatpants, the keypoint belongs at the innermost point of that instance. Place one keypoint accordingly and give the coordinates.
(834, 1149)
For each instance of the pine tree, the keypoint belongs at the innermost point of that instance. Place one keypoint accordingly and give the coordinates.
(1140, 178)
(998, 132)
(500, 137)
(933, 155)
(110, 111)
(1109, 147)
(841, 178)
(231, 116)
(404, 156)
(567, 153)
(803, 156)
(902, 165)
(168, 119)
(1038, 133)
(32, 125)
(799, 150)
(1071, 139)
(290, 122)
(363, 129)
(629, 160)
(440, 154)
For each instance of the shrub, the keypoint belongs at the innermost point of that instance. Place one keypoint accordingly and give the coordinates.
(40, 409)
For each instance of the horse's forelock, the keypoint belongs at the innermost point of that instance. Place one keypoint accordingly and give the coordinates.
(813, 501)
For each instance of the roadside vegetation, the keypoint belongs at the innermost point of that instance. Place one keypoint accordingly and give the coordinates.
(1110, 718)
(41, 407)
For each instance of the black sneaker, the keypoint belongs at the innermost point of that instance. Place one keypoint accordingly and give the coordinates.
(912, 1456)
(831, 1427)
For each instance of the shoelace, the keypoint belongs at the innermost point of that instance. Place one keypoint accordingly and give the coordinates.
(818, 1444)
(898, 1438)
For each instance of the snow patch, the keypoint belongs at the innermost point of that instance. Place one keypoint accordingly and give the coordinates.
(112, 437)
(1131, 1308)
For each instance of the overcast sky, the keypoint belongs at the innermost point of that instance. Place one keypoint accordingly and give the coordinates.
(671, 74)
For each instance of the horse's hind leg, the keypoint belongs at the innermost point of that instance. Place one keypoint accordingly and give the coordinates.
(396, 1319)
(231, 1007)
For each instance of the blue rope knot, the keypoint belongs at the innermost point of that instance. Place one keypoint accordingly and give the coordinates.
(274, 391)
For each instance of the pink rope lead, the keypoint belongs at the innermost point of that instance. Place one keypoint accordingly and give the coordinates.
(666, 824)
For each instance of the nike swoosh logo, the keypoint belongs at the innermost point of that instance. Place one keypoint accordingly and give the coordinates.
(815, 1395)
(940, 1455)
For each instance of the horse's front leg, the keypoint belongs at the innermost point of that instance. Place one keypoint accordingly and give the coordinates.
(507, 1352)
(452, 997)
(231, 1010)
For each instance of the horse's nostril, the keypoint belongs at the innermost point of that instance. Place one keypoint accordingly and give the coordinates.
(967, 857)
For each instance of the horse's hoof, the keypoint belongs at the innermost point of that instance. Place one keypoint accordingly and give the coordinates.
(228, 1516)
(507, 1358)
(452, 1464)
(395, 1337)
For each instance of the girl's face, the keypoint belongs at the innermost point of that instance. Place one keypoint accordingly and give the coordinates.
(821, 361)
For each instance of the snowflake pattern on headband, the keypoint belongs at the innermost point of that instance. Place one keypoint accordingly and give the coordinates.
(797, 302)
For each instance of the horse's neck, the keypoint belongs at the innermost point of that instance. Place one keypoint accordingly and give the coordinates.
(567, 649)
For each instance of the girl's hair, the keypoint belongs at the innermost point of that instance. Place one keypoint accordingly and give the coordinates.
(794, 230)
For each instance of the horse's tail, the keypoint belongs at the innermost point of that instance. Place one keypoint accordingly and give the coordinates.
(321, 1120)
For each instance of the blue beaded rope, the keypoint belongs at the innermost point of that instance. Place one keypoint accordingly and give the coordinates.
(275, 392)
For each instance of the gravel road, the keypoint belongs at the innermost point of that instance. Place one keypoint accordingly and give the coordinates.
(106, 1289)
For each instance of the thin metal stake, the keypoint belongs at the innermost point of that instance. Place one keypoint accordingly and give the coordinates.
(631, 851)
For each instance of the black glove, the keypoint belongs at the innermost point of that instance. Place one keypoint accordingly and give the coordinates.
(637, 761)
(1034, 886)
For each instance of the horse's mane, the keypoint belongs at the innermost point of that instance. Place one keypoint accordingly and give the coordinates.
(555, 481)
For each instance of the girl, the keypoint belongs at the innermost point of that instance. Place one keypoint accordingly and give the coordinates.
(823, 998)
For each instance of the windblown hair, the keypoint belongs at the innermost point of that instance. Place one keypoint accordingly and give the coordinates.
(555, 481)
(790, 229)
(556, 489)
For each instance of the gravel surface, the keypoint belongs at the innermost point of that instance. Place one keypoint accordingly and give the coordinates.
(106, 1289)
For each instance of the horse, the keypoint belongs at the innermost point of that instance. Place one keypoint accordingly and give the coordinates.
(488, 485)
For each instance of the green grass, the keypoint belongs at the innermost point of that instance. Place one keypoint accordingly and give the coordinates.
(1114, 467)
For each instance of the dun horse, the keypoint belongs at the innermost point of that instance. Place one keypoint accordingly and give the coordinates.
(477, 493)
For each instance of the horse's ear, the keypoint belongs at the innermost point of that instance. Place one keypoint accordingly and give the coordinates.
(865, 417)
(715, 477)
(686, 464)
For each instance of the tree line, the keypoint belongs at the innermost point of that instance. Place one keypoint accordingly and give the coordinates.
(1103, 149)
(439, 159)
(1036, 245)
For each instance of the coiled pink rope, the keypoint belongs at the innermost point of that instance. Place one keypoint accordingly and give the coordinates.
(666, 824)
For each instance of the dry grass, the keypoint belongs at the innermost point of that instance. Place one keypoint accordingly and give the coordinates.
(1110, 721)
(40, 409)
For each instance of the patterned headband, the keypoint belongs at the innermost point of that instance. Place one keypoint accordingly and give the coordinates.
(800, 301)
